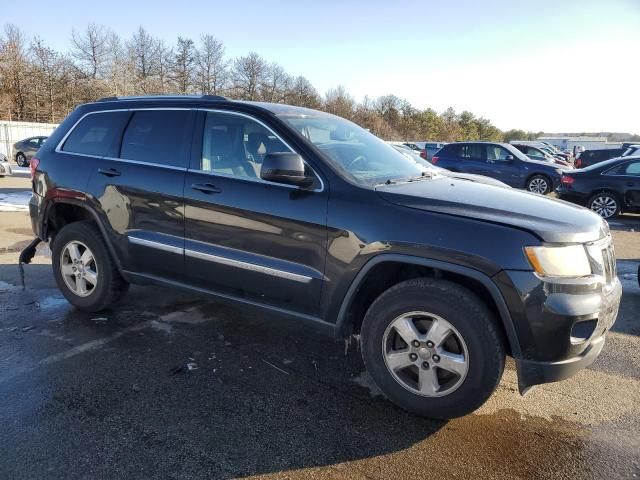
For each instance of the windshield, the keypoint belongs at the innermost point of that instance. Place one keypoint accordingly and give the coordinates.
(356, 153)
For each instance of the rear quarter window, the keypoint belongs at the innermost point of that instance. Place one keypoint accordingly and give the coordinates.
(97, 134)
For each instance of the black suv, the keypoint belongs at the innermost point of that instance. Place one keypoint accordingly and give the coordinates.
(306, 214)
(591, 157)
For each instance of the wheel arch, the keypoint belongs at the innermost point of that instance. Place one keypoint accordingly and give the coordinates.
(59, 213)
(356, 301)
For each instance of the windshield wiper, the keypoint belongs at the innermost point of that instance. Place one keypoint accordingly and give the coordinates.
(426, 175)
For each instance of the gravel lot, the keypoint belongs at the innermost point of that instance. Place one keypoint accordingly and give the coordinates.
(169, 385)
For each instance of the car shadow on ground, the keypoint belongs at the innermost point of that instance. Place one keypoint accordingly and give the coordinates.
(168, 384)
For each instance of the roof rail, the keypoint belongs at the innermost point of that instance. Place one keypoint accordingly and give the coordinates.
(156, 97)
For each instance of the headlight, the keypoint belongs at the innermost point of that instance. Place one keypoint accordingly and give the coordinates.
(566, 261)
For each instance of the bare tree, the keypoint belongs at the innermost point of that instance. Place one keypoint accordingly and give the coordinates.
(339, 102)
(248, 74)
(165, 64)
(183, 64)
(301, 92)
(211, 67)
(47, 72)
(275, 84)
(14, 66)
(143, 52)
(90, 48)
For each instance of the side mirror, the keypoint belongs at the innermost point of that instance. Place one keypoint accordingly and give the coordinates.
(285, 168)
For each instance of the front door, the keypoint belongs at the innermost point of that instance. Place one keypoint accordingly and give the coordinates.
(503, 166)
(249, 239)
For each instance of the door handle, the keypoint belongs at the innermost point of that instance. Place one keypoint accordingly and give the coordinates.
(207, 188)
(109, 172)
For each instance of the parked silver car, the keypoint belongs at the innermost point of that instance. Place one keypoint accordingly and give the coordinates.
(25, 149)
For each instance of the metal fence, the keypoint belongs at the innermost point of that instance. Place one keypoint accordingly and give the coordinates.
(11, 132)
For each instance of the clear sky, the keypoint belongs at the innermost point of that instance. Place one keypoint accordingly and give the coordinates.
(552, 65)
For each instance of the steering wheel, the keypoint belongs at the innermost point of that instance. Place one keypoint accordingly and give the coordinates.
(359, 158)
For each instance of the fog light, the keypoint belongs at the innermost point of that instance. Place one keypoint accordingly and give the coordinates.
(582, 331)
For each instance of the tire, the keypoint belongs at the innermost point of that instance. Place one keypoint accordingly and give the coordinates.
(21, 160)
(109, 285)
(539, 184)
(429, 301)
(605, 204)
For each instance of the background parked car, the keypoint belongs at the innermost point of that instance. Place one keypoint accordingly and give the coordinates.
(535, 153)
(608, 187)
(501, 161)
(591, 157)
(25, 149)
(430, 148)
(630, 150)
(5, 167)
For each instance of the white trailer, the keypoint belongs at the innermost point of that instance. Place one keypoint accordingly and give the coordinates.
(11, 132)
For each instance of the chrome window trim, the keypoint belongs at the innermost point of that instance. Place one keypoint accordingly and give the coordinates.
(158, 245)
(258, 179)
(621, 174)
(58, 148)
(247, 266)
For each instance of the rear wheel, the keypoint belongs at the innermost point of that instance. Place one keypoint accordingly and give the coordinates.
(433, 348)
(605, 204)
(21, 159)
(84, 271)
(539, 184)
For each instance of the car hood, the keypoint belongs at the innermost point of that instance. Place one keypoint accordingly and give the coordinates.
(550, 219)
(473, 178)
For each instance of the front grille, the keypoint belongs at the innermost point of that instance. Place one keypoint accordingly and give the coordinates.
(609, 263)
(603, 259)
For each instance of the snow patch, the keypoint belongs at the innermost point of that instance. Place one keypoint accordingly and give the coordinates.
(15, 202)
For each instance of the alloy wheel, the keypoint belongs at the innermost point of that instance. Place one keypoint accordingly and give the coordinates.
(538, 185)
(425, 354)
(604, 205)
(79, 268)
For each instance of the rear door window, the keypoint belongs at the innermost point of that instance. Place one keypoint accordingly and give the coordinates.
(97, 134)
(633, 169)
(472, 152)
(157, 136)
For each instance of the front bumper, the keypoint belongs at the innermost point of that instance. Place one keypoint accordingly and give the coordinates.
(561, 326)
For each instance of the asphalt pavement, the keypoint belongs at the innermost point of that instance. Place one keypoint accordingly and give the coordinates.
(170, 385)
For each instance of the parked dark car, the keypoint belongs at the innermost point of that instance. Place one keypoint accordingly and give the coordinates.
(304, 214)
(430, 149)
(591, 157)
(25, 149)
(535, 153)
(608, 188)
(630, 150)
(501, 161)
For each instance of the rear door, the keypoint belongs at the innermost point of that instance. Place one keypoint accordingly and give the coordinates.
(473, 159)
(247, 238)
(632, 184)
(139, 187)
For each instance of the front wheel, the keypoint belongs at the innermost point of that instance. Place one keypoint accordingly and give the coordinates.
(84, 270)
(539, 184)
(604, 204)
(433, 348)
(21, 160)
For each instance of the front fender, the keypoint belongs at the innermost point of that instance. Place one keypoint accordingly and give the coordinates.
(342, 322)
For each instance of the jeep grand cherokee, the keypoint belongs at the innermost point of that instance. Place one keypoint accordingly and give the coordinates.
(306, 214)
